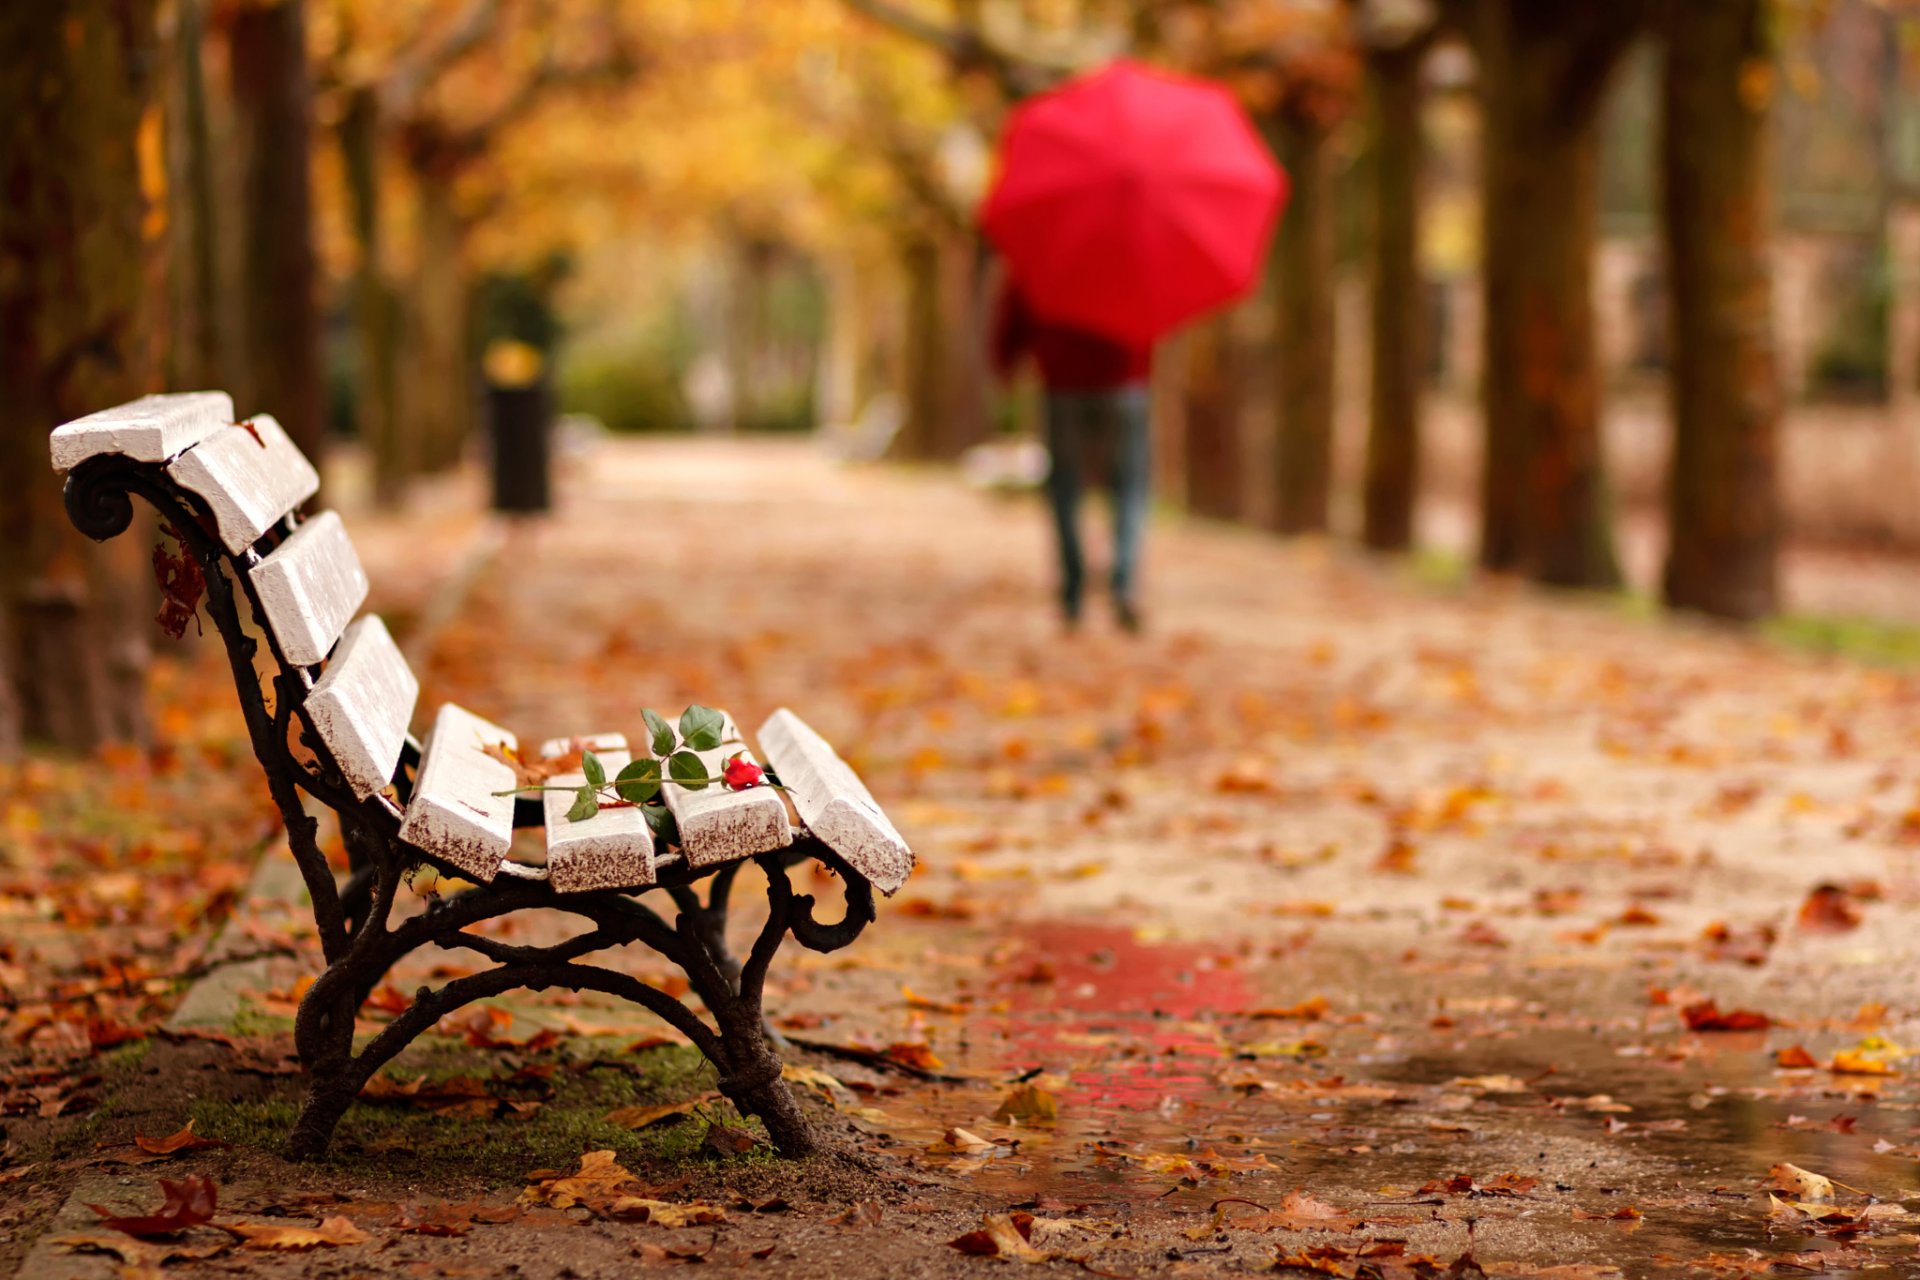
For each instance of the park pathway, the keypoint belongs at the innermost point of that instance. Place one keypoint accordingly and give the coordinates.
(1332, 881)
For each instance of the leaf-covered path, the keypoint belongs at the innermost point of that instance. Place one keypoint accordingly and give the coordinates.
(1337, 911)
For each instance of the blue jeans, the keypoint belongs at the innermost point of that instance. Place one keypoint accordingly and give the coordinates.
(1081, 426)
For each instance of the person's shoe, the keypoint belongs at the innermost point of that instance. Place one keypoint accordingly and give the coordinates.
(1127, 615)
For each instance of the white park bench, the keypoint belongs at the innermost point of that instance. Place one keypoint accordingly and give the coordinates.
(332, 720)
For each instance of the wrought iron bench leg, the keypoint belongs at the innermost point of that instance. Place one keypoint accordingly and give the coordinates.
(737, 1043)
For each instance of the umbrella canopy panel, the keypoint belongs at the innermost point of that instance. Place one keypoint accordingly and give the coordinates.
(1130, 201)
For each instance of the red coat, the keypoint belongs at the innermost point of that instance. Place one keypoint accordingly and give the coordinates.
(1069, 359)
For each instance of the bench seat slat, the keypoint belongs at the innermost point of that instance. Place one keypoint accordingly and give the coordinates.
(454, 814)
(833, 802)
(718, 825)
(150, 429)
(250, 474)
(611, 850)
(362, 703)
(310, 587)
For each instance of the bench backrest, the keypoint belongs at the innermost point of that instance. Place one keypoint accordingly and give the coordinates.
(304, 578)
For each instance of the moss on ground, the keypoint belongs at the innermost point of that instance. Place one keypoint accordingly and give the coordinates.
(1892, 644)
(500, 1149)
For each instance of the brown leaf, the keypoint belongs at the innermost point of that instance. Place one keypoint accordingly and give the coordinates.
(641, 1117)
(914, 1055)
(182, 584)
(145, 1254)
(1309, 1010)
(185, 1140)
(438, 1219)
(186, 1203)
(532, 773)
(1706, 1016)
(1828, 909)
(725, 1140)
(1001, 1235)
(1794, 1058)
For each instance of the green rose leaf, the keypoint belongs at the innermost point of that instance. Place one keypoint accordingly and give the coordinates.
(660, 819)
(595, 771)
(660, 731)
(685, 768)
(639, 782)
(702, 727)
(585, 805)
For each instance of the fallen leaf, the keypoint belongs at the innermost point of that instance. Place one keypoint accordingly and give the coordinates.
(1001, 1235)
(1794, 1058)
(916, 1055)
(186, 1203)
(440, 1219)
(332, 1233)
(1309, 1010)
(1828, 909)
(1028, 1103)
(142, 1254)
(641, 1117)
(597, 1183)
(1706, 1016)
(185, 1140)
(1800, 1184)
(662, 1213)
(726, 1140)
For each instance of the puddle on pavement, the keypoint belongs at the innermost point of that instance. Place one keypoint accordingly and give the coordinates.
(1171, 1099)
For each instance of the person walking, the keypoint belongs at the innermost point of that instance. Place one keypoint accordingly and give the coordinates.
(1096, 405)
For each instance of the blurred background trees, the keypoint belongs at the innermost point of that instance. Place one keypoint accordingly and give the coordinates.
(1550, 272)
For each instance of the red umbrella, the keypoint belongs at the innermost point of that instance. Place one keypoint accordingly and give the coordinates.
(1130, 201)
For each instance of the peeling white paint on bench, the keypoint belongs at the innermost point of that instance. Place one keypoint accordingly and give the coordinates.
(611, 850)
(455, 814)
(718, 825)
(361, 705)
(251, 474)
(150, 429)
(833, 802)
(310, 587)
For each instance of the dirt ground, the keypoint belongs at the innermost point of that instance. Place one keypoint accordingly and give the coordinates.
(1348, 923)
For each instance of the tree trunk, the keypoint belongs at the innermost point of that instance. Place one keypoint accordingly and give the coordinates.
(1723, 511)
(1391, 486)
(375, 310)
(279, 300)
(439, 386)
(195, 360)
(963, 303)
(924, 393)
(1303, 355)
(83, 304)
(1211, 413)
(1545, 506)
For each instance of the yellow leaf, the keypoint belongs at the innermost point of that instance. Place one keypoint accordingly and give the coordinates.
(1798, 1183)
(1028, 1103)
(331, 1233)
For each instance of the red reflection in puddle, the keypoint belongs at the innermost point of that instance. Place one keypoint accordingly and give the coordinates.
(1121, 1018)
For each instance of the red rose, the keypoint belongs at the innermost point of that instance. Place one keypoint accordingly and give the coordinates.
(739, 773)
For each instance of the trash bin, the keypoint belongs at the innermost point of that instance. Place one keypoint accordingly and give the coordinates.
(520, 423)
